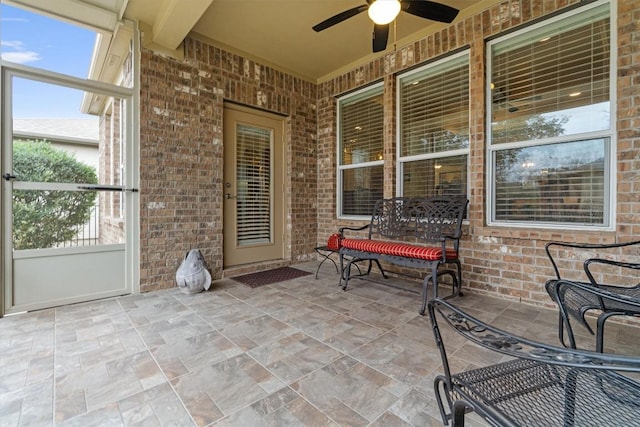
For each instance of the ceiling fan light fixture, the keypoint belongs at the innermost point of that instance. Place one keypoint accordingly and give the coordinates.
(383, 12)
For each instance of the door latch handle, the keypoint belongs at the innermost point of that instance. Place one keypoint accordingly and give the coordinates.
(229, 196)
(8, 177)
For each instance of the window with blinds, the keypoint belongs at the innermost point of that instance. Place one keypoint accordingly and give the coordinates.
(254, 204)
(360, 151)
(550, 125)
(433, 103)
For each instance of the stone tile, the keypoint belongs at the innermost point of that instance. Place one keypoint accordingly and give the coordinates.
(284, 407)
(342, 302)
(229, 314)
(216, 390)
(103, 416)
(75, 355)
(159, 405)
(344, 333)
(170, 331)
(349, 391)
(29, 405)
(185, 355)
(256, 332)
(147, 308)
(400, 358)
(383, 316)
(300, 353)
(294, 356)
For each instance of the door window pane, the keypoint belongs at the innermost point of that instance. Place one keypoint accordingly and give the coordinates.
(254, 185)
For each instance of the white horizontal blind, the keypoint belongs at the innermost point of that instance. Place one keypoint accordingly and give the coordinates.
(434, 108)
(254, 204)
(361, 124)
(552, 81)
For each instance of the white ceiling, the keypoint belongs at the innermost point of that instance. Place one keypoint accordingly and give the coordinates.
(275, 32)
(278, 32)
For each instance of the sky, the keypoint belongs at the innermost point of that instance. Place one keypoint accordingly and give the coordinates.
(42, 42)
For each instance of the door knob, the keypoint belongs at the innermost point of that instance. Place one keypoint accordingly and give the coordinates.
(8, 177)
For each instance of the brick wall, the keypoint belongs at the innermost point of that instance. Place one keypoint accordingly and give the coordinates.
(181, 152)
(507, 261)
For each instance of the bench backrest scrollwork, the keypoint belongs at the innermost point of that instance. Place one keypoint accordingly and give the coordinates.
(428, 220)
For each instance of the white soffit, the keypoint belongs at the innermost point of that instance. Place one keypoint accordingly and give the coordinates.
(99, 14)
(175, 19)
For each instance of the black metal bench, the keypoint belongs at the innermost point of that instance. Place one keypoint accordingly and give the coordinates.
(410, 232)
(542, 385)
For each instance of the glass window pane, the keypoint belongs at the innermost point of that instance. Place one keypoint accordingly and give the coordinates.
(552, 183)
(552, 81)
(434, 108)
(446, 176)
(361, 129)
(361, 187)
(55, 219)
(40, 41)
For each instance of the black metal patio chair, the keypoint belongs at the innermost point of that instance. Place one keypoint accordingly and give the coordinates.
(539, 384)
(575, 303)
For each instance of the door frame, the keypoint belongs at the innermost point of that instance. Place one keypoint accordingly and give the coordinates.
(131, 164)
(279, 178)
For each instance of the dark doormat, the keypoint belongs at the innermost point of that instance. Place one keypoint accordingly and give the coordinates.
(270, 276)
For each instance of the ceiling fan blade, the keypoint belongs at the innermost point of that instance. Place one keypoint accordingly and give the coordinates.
(336, 19)
(380, 37)
(430, 10)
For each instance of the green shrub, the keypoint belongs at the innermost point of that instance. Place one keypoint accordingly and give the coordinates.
(45, 218)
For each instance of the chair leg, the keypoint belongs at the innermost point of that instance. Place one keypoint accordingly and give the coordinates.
(425, 286)
(563, 319)
(600, 328)
(459, 278)
(341, 258)
(458, 412)
(439, 386)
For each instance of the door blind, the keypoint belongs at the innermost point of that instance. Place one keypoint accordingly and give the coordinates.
(254, 203)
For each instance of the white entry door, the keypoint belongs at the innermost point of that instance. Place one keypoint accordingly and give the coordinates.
(67, 195)
(254, 186)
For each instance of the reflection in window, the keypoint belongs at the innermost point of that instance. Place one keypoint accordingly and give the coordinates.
(443, 176)
(361, 188)
(552, 183)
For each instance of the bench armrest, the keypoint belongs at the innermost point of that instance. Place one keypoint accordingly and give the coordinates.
(342, 229)
(506, 343)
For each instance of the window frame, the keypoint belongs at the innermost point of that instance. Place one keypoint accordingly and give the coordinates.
(401, 160)
(363, 93)
(610, 164)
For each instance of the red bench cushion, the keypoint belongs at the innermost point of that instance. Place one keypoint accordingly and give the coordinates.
(406, 250)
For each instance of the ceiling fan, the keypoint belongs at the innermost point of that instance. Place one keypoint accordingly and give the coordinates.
(383, 12)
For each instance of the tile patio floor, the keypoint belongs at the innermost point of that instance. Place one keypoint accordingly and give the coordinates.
(297, 353)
